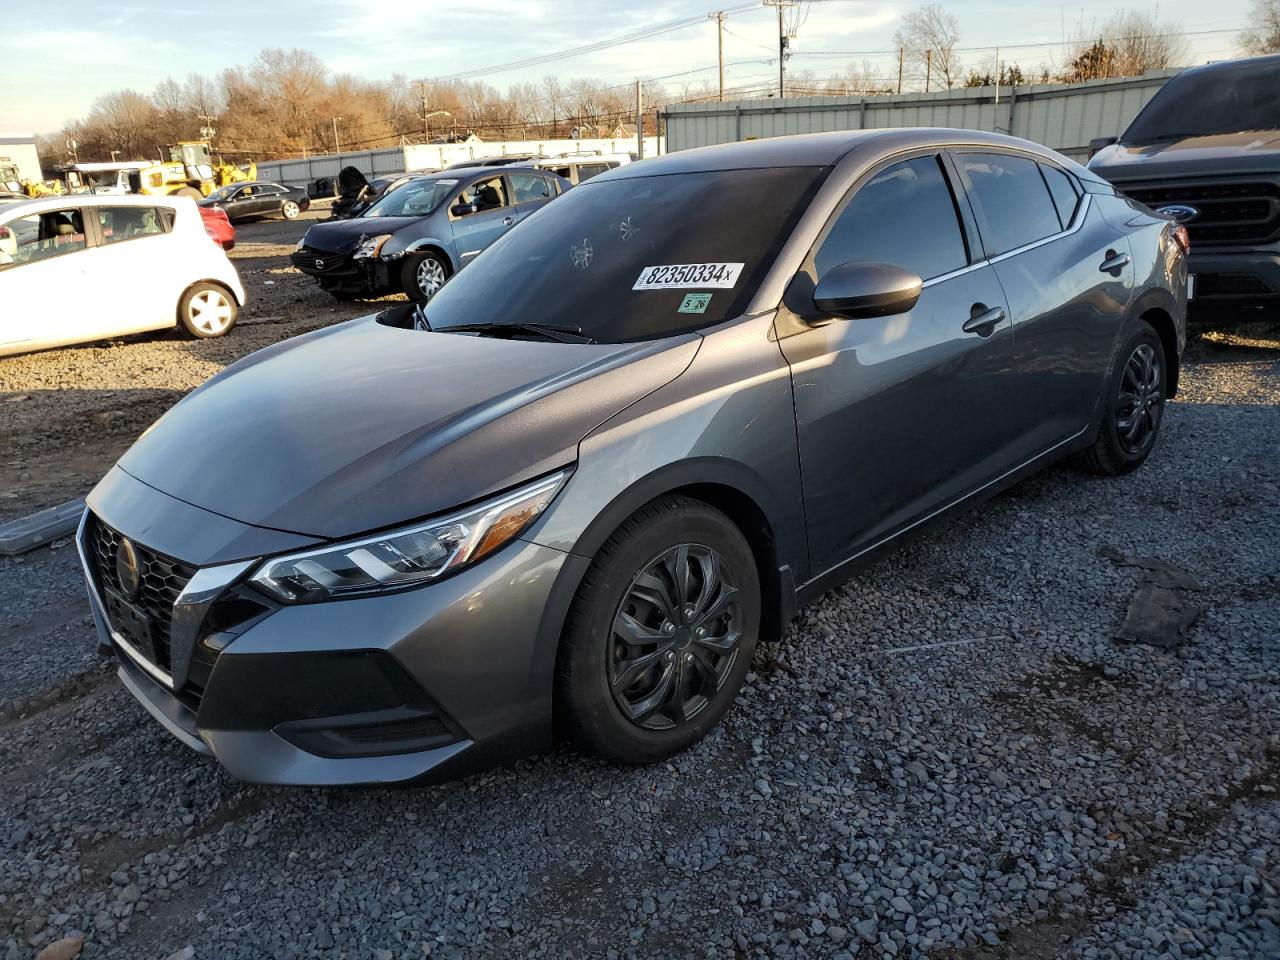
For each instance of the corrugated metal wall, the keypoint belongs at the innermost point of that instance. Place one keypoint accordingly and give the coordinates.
(1062, 116)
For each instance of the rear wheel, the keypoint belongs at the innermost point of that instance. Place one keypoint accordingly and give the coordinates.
(1134, 407)
(422, 276)
(290, 210)
(207, 310)
(661, 634)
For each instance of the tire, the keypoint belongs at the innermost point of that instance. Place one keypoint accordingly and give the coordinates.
(207, 310)
(1134, 407)
(290, 210)
(615, 698)
(191, 192)
(422, 276)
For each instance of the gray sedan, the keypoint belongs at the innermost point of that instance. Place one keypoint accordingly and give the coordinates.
(616, 453)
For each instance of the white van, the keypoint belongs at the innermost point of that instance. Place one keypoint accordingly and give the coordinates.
(112, 265)
(579, 167)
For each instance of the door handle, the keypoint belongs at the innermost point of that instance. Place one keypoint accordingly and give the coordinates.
(508, 221)
(1114, 262)
(983, 321)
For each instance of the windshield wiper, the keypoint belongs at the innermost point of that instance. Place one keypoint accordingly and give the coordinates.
(551, 332)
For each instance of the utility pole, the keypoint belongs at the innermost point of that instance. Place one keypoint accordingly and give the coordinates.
(928, 68)
(426, 132)
(336, 146)
(901, 53)
(719, 17)
(782, 43)
(639, 120)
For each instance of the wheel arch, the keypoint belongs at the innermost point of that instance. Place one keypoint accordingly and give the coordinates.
(1157, 307)
(741, 495)
(431, 245)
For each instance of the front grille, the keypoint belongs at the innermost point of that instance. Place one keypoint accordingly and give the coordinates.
(321, 262)
(163, 579)
(1232, 213)
(1230, 285)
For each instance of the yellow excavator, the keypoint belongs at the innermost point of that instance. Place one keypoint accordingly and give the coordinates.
(189, 172)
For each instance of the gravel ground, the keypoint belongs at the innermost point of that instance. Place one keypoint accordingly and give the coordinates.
(948, 757)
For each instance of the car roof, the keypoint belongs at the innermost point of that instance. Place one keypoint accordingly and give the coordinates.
(1235, 66)
(812, 150)
(41, 204)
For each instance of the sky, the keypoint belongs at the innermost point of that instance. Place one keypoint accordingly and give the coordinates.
(102, 47)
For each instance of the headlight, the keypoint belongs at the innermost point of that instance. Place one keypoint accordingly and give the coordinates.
(301, 243)
(408, 556)
(371, 246)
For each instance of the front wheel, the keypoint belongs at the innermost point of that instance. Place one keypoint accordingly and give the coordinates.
(421, 277)
(207, 310)
(191, 192)
(1134, 408)
(290, 210)
(661, 633)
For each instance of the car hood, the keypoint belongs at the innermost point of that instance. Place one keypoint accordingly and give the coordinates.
(361, 426)
(1221, 154)
(342, 236)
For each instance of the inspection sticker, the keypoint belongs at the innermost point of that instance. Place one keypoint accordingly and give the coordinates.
(682, 276)
(695, 303)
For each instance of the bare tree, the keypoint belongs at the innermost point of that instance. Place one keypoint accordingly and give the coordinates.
(122, 121)
(1127, 45)
(1263, 33)
(929, 36)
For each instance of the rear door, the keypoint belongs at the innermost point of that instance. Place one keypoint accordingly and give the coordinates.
(1067, 276)
(44, 297)
(129, 269)
(899, 416)
(474, 230)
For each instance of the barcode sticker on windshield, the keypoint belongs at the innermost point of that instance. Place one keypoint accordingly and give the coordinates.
(683, 276)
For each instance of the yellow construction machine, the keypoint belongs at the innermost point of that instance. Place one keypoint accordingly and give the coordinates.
(189, 172)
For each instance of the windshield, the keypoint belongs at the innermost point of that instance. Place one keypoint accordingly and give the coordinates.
(414, 198)
(1203, 103)
(635, 258)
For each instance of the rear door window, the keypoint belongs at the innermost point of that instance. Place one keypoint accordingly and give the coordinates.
(588, 170)
(130, 223)
(1012, 202)
(531, 187)
(905, 216)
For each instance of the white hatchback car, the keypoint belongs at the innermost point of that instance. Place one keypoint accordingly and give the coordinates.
(117, 264)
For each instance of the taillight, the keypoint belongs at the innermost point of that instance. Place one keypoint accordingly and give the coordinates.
(5, 233)
(1183, 237)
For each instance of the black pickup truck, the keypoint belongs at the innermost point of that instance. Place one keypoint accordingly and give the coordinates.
(1206, 152)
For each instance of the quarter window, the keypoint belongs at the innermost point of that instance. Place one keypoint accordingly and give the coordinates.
(128, 223)
(905, 216)
(42, 236)
(1065, 197)
(1012, 203)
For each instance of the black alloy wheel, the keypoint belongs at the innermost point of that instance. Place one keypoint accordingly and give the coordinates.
(660, 634)
(1133, 410)
(675, 637)
(1141, 401)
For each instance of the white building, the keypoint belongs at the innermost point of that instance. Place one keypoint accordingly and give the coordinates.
(19, 149)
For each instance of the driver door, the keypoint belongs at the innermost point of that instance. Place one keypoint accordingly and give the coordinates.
(898, 416)
(474, 230)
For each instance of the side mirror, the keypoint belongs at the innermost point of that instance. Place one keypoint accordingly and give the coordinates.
(1100, 143)
(861, 288)
(462, 209)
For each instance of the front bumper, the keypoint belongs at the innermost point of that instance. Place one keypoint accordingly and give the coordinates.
(424, 685)
(343, 273)
(1238, 276)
